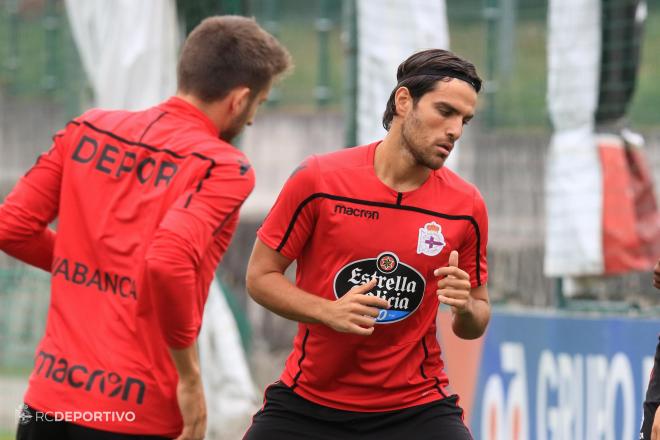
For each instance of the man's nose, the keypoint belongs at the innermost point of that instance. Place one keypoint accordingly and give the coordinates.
(455, 129)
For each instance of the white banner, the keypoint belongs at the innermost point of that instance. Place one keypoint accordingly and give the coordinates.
(389, 31)
(574, 179)
(128, 49)
(230, 393)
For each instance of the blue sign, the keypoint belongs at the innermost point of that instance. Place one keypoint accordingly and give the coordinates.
(552, 377)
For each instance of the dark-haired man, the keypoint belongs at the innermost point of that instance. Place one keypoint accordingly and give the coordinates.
(382, 235)
(146, 204)
(651, 410)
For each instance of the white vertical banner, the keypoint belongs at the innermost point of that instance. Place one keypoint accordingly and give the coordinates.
(574, 188)
(231, 395)
(128, 49)
(389, 31)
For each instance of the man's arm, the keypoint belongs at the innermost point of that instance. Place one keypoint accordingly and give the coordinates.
(354, 312)
(29, 208)
(172, 269)
(470, 306)
(190, 393)
(35, 249)
(176, 316)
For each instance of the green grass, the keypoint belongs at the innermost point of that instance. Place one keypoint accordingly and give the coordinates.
(4, 435)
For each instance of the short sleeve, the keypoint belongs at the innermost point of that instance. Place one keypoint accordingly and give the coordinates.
(291, 220)
(473, 255)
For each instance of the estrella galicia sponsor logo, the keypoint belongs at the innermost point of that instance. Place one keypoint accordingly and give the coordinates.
(80, 376)
(400, 284)
(356, 212)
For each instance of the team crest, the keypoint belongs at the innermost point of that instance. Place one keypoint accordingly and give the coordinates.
(430, 240)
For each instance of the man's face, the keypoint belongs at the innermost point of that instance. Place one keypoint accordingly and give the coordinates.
(432, 125)
(245, 116)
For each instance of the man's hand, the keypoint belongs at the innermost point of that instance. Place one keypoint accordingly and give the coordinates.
(656, 278)
(355, 312)
(190, 395)
(454, 288)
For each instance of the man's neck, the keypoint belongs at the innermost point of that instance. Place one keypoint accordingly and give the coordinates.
(209, 109)
(396, 167)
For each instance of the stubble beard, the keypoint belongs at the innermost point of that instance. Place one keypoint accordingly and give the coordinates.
(236, 126)
(412, 144)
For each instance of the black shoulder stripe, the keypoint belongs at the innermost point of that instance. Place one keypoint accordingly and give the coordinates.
(467, 218)
(226, 219)
(151, 124)
(200, 184)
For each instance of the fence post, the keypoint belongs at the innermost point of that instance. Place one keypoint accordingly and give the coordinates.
(271, 24)
(349, 13)
(323, 26)
(491, 14)
(51, 24)
(13, 60)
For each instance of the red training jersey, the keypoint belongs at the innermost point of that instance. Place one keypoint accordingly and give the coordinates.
(343, 226)
(151, 192)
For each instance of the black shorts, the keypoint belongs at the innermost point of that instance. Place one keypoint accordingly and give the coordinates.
(652, 399)
(287, 416)
(29, 428)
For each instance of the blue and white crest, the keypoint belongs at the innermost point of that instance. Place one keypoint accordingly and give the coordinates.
(430, 240)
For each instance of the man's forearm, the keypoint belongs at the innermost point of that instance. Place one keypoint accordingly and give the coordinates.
(36, 250)
(186, 361)
(472, 324)
(275, 292)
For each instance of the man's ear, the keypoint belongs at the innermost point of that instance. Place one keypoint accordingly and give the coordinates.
(403, 101)
(239, 99)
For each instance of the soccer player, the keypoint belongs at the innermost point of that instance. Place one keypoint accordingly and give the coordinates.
(382, 234)
(651, 419)
(146, 203)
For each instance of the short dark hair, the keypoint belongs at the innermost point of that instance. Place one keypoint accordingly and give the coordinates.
(225, 52)
(422, 70)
